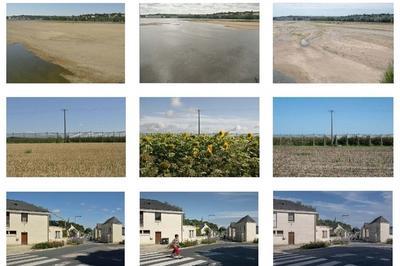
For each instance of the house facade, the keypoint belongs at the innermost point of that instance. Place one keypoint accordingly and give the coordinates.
(244, 230)
(293, 223)
(323, 233)
(205, 228)
(159, 222)
(56, 233)
(111, 231)
(376, 231)
(189, 233)
(26, 223)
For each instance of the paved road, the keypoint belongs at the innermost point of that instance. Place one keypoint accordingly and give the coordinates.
(227, 253)
(86, 254)
(360, 254)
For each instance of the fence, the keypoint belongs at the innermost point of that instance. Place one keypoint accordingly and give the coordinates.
(338, 140)
(56, 137)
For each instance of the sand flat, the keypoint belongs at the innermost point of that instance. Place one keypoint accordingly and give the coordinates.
(231, 23)
(332, 52)
(93, 52)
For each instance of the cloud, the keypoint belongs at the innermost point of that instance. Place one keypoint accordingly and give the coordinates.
(176, 102)
(196, 8)
(56, 211)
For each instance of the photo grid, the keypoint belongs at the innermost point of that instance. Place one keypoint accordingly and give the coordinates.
(181, 132)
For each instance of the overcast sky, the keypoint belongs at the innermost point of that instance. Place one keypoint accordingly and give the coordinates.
(195, 8)
(330, 9)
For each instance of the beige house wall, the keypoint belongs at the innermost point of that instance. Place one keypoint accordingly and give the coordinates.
(320, 233)
(53, 233)
(189, 233)
(170, 224)
(37, 228)
(303, 226)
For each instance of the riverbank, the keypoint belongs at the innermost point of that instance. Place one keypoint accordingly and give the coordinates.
(232, 23)
(92, 52)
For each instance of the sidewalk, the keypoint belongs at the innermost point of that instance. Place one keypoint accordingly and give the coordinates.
(12, 250)
(153, 248)
(284, 248)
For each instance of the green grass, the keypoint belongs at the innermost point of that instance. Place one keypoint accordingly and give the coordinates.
(388, 77)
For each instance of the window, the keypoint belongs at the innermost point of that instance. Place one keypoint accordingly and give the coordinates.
(141, 218)
(123, 231)
(275, 221)
(291, 216)
(279, 233)
(58, 234)
(12, 233)
(191, 233)
(158, 216)
(8, 219)
(24, 217)
(366, 232)
(145, 232)
(324, 234)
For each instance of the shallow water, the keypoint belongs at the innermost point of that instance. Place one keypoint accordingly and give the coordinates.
(279, 77)
(25, 67)
(174, 50)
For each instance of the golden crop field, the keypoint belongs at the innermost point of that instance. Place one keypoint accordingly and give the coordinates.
(66, 160)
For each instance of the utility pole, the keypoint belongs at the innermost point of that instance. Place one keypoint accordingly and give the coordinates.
(65, 124)
(198, 121)
(331, 111)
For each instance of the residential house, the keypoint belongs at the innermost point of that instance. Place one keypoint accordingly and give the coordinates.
(322, 233)
(293, 223)
(26, 223)
(189, 233)
(56, 233)
(159, 222)
(207, 231)
(111, 231)
(73, 232)
(340, 233)
(244, 230)
(376, 231)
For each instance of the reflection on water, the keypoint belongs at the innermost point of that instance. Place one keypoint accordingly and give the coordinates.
(25, 67)
(174, 50)
(279, 77)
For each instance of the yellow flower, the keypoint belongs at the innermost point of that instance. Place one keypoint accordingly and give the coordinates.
(210, 149)
(250, 136)
(196, 153)
(225, 146)
(165, 165)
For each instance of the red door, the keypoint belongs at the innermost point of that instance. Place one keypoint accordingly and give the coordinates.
(158, 237)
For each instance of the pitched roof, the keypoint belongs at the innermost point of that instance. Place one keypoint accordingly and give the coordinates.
(112, 220)
(246, 219)
(150, 204)
(380, 220)
(19, 205)
(291, 205)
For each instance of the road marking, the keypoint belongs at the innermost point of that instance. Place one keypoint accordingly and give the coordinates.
(20, 258)
(151, 257)
(289, 258)
(306, 262)
(350, 265)
(194, 263)
(156, 260)
(150, 253)
(369, 257)
(24, 260)
(174, 261)
(40, 262)
(343, 255)
(384, 259)
(294, 260)
(331, 263)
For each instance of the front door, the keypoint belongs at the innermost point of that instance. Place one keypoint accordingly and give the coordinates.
(158, 237)
(291, 238)
(24, 238)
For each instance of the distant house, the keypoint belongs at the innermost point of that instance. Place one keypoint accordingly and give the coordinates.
(376, 231)
(111, 231)
(205, 228)
(73, 232)
(26, 223)
(56, 233)
(293, 223)
(188, 233)
(322, 233)
(159, 222)
(244, 230)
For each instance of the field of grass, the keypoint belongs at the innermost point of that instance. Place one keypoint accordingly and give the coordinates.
(184, 155)
(319, 161)
(66, 160)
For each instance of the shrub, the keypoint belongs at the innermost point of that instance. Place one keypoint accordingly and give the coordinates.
(318, 244)
(75, 241)
(339, 242)
(389, 241)
(188, 243)
(255, 241)
(51, 244)
(388, 76)
(208, 241)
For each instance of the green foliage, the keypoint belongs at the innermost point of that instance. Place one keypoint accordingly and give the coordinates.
(388, 77)
(111, 17)
(333, 224)
(351, 140)
(312, 245)
(177, 155)
(51, 244)
(389, 241)
(188, 243)
(208, 241)
(384, 18)
(244, 15)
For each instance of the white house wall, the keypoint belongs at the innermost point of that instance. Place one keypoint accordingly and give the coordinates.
(37, 228)
(170, 224)
(304, 228)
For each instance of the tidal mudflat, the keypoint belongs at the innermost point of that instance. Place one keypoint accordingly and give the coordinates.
(77, 51)
(196, 50)
(331, 52)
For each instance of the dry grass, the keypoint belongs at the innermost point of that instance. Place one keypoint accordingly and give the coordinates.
(66, 160)
(302, 161)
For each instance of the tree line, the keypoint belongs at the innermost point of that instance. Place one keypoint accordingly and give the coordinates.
(106, 17)
(382, 18)
(220, 15)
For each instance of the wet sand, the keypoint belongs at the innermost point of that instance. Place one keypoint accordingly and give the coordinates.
(237, 24)
(93, 52)
(332, 52)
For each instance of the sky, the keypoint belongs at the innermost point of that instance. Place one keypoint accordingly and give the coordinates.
(93, 207)
(196, 8)
(220, 208)
(330, 9)
(236, 115)
(63, 9)
(360, 206)
(38, 115)
(297, 116)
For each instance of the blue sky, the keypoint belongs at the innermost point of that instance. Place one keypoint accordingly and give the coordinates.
(94, 207)
(330, 9)
(63, 9)
(33, 115)
(360, 206)
(196, 8)
(351, 115)
(220, 208)
(236, 115)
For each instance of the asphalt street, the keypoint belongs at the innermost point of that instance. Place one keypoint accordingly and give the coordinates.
(360, 254)
(86, 254)
(225, 253)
